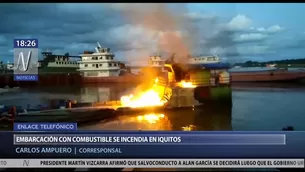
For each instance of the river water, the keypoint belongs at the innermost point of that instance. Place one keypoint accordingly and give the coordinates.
(255, 107)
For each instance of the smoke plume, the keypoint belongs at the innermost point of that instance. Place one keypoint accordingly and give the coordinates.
(175, 31)
(169, 25)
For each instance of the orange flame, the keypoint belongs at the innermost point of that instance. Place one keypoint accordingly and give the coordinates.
(185, 84)
(151, 118)
(148, 98)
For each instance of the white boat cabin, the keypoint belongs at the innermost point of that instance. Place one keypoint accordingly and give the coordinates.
(10, 66)
(204, 60)
(99, 64)
(156, 61)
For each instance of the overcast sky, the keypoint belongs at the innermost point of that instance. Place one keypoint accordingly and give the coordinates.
(236, 32)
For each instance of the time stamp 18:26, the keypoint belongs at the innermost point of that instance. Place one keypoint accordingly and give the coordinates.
(25, 43)
(21, 47)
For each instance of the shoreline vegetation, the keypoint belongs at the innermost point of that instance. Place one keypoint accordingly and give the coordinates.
(291, 63)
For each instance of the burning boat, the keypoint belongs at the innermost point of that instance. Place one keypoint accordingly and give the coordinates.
(179, 86)
(207, 82)
(185, 85)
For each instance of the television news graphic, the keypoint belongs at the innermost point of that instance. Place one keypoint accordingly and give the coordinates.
(152, 144)
(151, 163)
(149, 139)
(26, 59)
(45, 126)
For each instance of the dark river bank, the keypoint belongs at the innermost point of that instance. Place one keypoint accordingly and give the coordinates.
(255, 107)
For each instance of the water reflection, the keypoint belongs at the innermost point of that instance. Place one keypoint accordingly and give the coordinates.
(150, 118)
(259, 107)
(43, 95)
(188, 119)
(189, 128)
(150, 121)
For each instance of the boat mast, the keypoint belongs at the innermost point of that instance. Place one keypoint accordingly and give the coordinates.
(96, 49)
(99, 45)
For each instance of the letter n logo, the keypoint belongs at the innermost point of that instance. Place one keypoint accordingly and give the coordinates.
(26, 162)
(22, 63)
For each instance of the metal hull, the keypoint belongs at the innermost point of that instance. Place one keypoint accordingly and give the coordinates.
(268, 76)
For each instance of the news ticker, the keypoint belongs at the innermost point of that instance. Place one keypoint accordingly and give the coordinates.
(152, 144)
(151, 163)
(57, 140)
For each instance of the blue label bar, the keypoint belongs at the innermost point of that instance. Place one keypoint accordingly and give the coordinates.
(45, 126)
(25, 43)
(25, 77)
